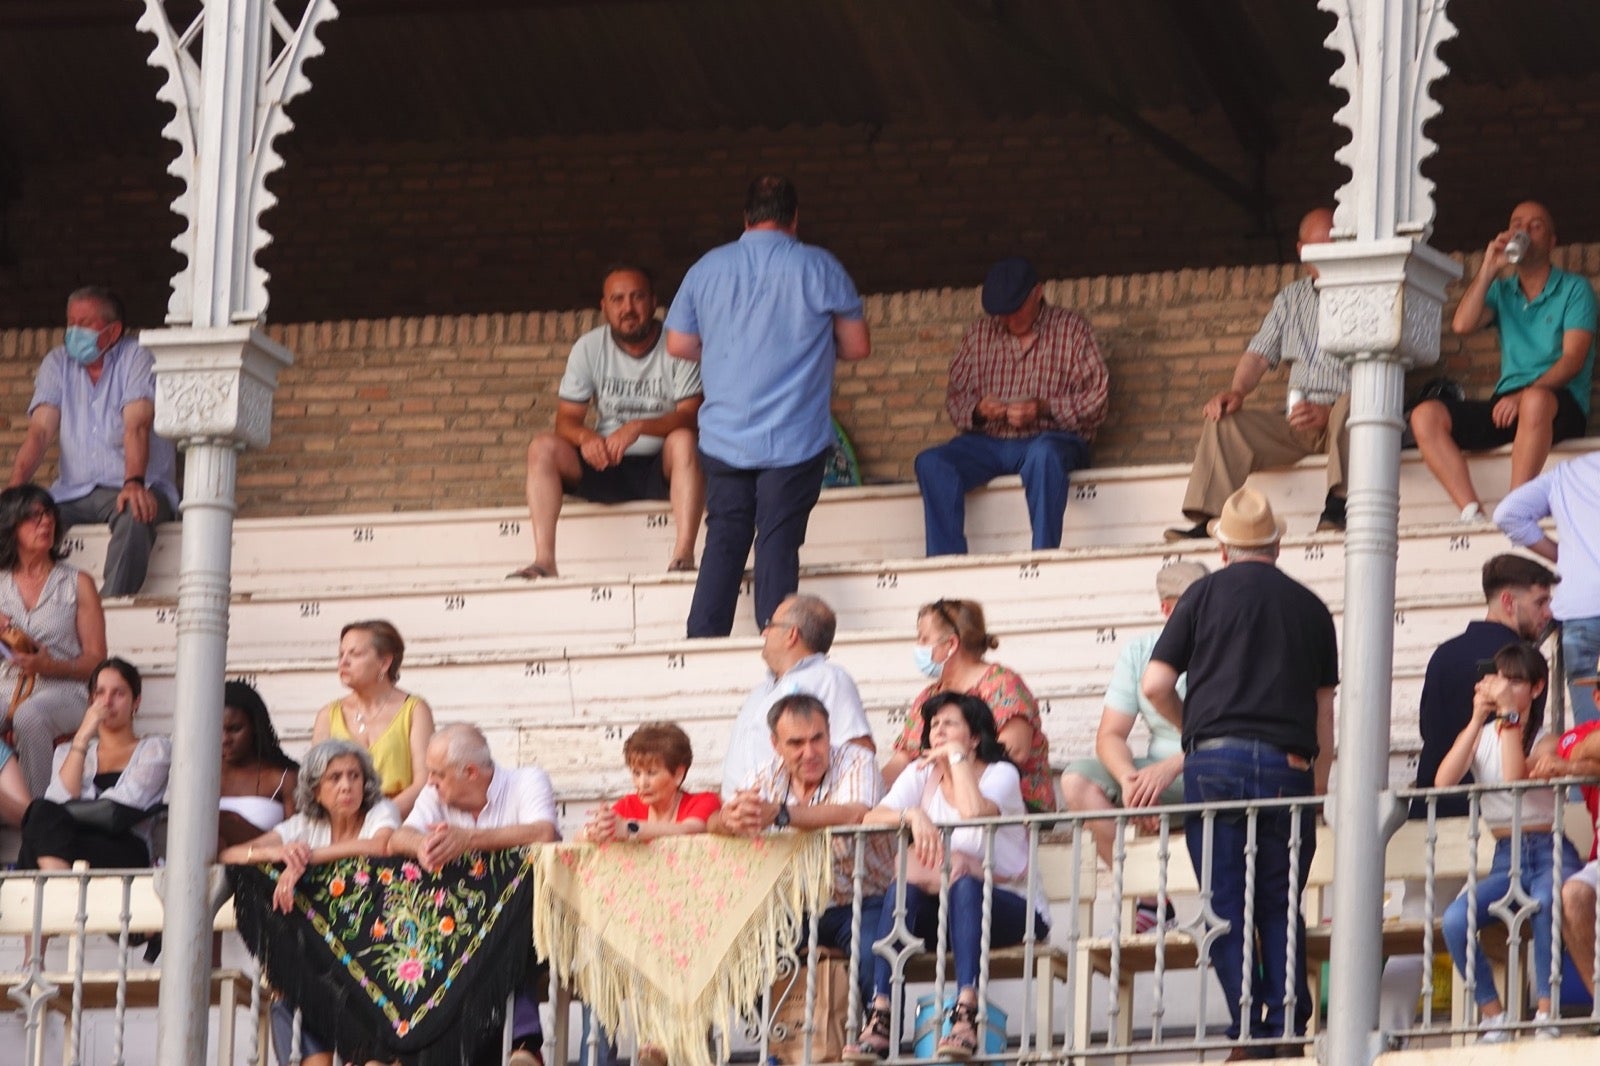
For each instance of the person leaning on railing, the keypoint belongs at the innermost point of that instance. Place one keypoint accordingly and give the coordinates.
(105, 761)
(963, 773)
(342, 813)
(658, 755)
(1505, 733)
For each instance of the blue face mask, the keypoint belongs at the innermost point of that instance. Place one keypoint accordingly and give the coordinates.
(922, 655)
(83, 344)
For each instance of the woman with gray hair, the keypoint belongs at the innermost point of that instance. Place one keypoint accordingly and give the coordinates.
(341, 813)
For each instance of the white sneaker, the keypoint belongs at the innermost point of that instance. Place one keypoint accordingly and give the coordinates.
(1543, 1030)
(1471, 513)
(1493, 1030)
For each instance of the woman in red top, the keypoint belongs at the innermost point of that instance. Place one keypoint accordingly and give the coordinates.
(658, 755)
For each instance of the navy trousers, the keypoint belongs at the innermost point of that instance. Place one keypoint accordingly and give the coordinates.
(947, 472)
(768, 506)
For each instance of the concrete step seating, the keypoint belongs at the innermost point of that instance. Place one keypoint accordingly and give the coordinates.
(560, 671)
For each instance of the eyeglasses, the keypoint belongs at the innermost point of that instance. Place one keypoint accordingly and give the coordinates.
(775, 624)
(37, 515)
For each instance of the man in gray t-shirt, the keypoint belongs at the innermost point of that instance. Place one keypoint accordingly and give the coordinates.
(643, 444)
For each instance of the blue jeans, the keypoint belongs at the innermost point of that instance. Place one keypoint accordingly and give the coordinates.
(946, 473)
(605, 1050)
(769, 507)
(1007, 923)
(1539, 880)
(833, 931)
(1580, 645)
(1251, 769)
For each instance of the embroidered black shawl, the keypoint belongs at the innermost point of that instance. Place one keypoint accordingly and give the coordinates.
(386, 960)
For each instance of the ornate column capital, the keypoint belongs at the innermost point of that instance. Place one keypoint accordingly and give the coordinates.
(1381, 299)
(215, 384)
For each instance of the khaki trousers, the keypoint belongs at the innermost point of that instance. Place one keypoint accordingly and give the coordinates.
(1234, 447)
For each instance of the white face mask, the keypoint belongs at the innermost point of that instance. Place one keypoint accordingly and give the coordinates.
(922, 655)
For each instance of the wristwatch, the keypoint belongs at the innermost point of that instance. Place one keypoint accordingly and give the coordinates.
(1510, 718)
(781, 819)
(958, 758)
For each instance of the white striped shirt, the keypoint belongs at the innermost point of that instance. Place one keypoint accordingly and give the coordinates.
(852, 777)
(1290, 332)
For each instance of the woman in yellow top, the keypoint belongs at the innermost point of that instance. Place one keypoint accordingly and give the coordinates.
(390, 723)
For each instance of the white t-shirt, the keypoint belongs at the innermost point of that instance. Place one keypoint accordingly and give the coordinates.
(317, 833)
(625, 387)
(1001, 785)
(1488, 768)
(518, 795)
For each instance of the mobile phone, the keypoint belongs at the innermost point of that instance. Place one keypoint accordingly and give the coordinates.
(1486, 667)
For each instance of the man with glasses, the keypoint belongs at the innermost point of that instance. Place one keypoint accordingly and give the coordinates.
(794, 645)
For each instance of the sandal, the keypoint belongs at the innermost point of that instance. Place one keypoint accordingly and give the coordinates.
(873, 1043)
(961, 1042)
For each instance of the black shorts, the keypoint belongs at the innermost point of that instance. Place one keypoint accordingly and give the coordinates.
(637, 477)
(1472, 422)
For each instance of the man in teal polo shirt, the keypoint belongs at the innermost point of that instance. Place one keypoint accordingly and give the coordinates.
(1546, 318)
(767, 317)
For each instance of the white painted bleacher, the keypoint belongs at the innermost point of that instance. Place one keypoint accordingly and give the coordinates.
(559, 671)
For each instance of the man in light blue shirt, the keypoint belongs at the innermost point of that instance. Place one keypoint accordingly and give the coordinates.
(96, 394)
(1115, 777)
(766, 317)
(1571, 493)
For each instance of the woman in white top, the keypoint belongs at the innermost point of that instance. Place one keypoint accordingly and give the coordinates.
(258, 777)
(1504, 737)
(963, 773)
(104, 760)
(342, 813)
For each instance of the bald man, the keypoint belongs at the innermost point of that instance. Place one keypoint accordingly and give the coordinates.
(1236, 441)
(1546, 319)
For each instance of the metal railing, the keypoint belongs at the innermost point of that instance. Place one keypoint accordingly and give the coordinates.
(1087, 984)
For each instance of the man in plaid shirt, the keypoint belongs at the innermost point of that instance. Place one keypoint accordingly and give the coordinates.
(1027, 391)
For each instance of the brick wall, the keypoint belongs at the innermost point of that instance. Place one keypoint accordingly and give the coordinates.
(436, 412)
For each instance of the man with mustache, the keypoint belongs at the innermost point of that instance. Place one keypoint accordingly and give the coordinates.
(643, 444)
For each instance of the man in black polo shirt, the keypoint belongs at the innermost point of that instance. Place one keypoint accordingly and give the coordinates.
(1262, 659)
(1517, 589)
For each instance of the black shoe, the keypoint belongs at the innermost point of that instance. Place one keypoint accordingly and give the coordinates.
(1198, 531)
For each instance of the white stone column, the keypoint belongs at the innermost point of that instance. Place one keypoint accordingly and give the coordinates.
(230, 71)
(1380, 308)
(1381, 292)
(214, 397)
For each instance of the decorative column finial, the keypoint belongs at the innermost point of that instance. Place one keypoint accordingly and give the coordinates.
(222, 201)
(1390, 61)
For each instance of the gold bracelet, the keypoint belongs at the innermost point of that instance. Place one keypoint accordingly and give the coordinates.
(250, 853)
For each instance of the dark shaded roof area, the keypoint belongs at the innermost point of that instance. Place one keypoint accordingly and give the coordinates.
(420, 79)
(449, 69)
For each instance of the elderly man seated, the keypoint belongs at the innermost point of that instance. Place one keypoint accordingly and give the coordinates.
(470, 804)
(812, 783)
(794, 645)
